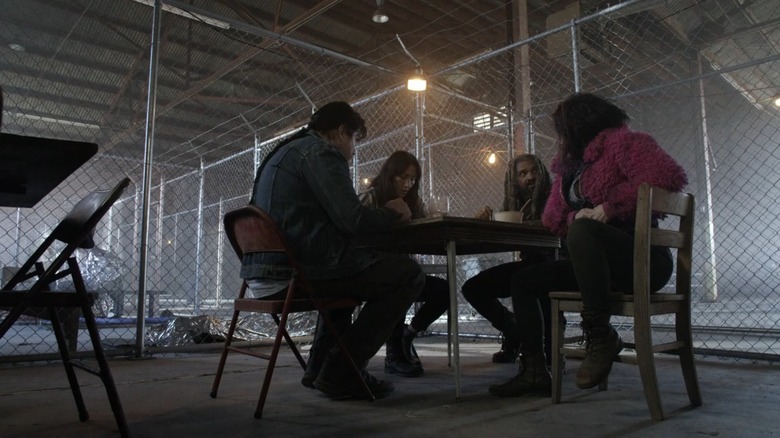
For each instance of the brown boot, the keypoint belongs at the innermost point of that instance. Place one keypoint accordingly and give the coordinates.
(533, 379)
(602, 346)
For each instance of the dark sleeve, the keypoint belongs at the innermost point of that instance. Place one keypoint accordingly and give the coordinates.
(327, 174)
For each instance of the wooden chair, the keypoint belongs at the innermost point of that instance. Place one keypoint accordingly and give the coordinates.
(641, 305)
(72, 231)
(250, 229)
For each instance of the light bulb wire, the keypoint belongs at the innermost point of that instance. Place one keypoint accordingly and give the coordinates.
(417, 63)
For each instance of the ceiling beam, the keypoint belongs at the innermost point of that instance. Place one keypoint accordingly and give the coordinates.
(200, 85)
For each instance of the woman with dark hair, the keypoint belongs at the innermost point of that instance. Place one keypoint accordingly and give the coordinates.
(598, 169)
(399, 177)
(526, 188)
(304, 184)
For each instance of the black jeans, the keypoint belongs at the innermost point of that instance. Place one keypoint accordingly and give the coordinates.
(435, 297)
(600, 260)
(483, 290)
(388, 288)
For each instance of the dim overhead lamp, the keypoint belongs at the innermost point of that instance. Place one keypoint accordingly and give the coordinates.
(379, 15)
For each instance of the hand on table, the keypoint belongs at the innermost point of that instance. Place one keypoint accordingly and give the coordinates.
(399, 206)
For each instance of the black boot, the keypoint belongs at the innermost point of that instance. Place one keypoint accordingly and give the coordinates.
(510, 344)
(323, 342)
(337, 380)
(320, 346)
(533, 378)
(406, 341)
(396, 360)
(602, 345)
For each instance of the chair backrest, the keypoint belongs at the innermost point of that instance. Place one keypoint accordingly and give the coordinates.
(654, 201)
(250, 229)
(77, 226)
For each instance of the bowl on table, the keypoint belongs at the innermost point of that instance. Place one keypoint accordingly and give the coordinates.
(508, 216)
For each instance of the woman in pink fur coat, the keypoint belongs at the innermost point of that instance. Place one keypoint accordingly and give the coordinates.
(598, 169)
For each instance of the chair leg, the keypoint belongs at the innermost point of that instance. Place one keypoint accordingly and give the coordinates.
(683, 329)
(280, 333)
(11, 318)
(105, 371)
(290, 343)
(557, 357)
(70, 372)
(70, 326)
(223, 358)
(646, 361)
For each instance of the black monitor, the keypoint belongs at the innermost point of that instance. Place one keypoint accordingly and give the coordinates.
(31, 167)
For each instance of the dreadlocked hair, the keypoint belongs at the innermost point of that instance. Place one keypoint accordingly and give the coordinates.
(516, 200)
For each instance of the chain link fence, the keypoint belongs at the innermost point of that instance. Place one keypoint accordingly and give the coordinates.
(227, 91)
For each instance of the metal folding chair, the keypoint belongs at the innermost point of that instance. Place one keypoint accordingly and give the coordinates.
(72, 231)
(249, 230)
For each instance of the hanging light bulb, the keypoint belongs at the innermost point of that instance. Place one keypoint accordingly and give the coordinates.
(417, 82)
(492, 158)
(379, 15)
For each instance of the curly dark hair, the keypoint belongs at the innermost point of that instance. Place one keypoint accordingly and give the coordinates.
(578, 120)
(395, 165)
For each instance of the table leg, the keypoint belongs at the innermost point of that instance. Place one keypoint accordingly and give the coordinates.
(453, 315)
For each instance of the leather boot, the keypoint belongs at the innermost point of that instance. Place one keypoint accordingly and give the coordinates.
(406, 342)
(602, 345)
(510, 344)
(337, 380)
(533, 378)
(322, 343)
(396, 361)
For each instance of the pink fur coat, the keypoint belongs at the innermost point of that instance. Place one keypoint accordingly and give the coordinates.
(617, 161)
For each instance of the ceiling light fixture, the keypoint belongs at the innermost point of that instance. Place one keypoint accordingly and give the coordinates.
(777, 101)
(417, 82)
(379, 15)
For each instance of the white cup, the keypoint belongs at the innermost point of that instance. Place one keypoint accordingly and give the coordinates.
(438, 206)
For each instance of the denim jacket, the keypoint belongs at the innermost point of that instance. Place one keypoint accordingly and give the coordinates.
(307, 190)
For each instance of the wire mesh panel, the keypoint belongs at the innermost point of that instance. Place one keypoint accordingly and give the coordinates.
(700, 76)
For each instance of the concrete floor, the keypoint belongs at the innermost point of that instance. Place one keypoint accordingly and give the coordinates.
(168, 396)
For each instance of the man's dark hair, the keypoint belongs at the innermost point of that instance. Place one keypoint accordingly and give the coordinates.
(331, 116)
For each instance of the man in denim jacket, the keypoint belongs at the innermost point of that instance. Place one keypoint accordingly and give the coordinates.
(305, 186)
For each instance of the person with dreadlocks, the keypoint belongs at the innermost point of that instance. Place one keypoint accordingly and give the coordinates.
(526, 188)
